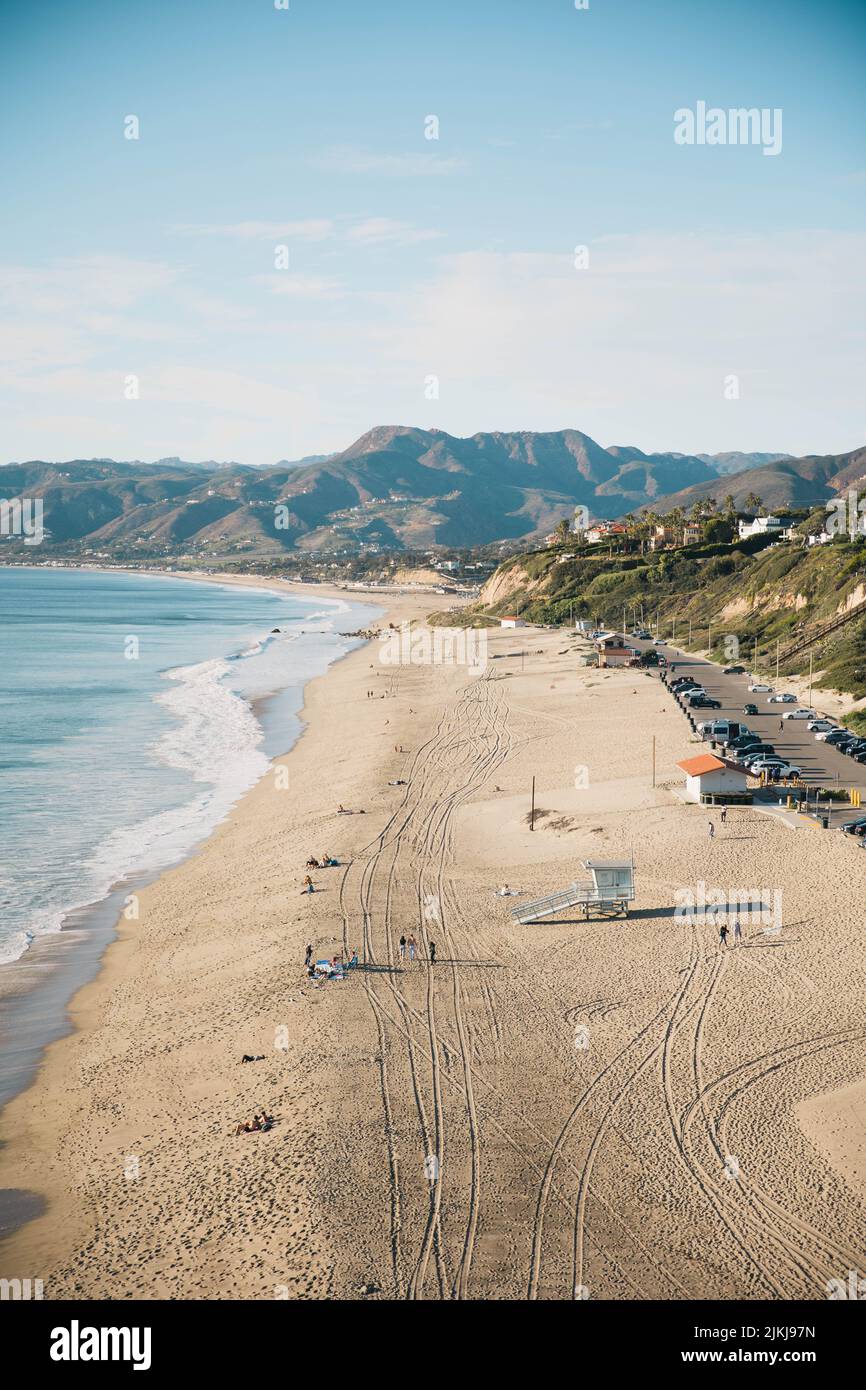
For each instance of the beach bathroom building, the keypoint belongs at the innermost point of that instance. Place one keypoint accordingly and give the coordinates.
(612, 650)
(511, 622)
(710, 779)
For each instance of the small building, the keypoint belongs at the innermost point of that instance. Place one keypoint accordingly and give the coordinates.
(611, 654)
(760, 526)
(511, 621)
(605, 531)
(710, 779)
(691, 533)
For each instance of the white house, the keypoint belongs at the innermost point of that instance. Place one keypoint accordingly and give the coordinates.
(511, 622)
(760, 526)
(709, 778)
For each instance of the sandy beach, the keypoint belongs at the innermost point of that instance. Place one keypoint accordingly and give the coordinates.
(612, 1109)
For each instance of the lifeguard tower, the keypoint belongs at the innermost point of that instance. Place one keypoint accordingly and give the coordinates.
(607, 894)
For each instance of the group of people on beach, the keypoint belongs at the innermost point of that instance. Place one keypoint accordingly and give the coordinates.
(723, 932)
(261, 1122)
(408, 943)
(334, 966)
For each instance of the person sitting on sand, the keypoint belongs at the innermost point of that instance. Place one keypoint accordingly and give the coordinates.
(313, 863)
(309, 886)
(353, 963)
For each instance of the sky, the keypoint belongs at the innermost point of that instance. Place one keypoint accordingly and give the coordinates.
(469, 214)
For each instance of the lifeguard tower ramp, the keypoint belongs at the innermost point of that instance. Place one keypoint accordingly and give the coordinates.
(607, 894)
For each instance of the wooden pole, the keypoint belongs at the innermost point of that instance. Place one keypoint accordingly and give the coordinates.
(810, 678)
(532, 812)
(777, 658)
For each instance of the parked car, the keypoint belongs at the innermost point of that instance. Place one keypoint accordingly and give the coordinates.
(733, 670)
(820, 726)
(799, 714)
(782, 700)
(759, 686)
(773, 765)
(750, 709)
(682, 681)
(831, 736)
(703, 702)
(658, 641)
(854, 827)
(860, 757)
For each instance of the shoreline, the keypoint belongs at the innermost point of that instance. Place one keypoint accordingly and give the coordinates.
(474, 1062)
(38, 988)
(63, 969)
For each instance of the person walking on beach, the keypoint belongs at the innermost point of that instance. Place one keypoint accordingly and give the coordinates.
(723, 815)
(308, 957)
(432, 952)
(402, 948)
(723, 934)
(781, 726)
(412, 944)
(738, 930)
(711, 830)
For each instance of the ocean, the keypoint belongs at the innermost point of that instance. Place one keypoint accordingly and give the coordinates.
(135, 711)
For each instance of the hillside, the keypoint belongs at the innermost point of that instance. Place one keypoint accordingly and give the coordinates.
(753, 591)
(782, 482)
(395, 488)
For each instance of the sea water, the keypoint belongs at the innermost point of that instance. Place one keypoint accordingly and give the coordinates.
(135, 710)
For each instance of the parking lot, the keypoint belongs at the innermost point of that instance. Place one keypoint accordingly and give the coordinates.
(820, 763)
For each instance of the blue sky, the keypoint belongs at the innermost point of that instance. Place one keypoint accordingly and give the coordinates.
(430, 282)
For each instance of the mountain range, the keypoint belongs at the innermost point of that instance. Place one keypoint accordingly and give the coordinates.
(396, 487)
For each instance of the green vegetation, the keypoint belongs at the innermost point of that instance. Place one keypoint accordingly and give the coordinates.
(745, 601)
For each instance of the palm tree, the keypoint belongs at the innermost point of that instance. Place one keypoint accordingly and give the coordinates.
(754, 502)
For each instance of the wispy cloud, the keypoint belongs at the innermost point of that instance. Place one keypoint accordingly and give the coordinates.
(305, 229)
(381, 231)
(350, 159)
(367, 231)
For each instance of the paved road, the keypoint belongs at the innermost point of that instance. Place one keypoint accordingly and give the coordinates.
(821, 765)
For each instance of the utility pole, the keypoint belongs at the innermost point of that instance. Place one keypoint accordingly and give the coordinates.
(690, 632)
(755, 657)
(674, 632)
(710, 639)
(777, 658)
(810, 678)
